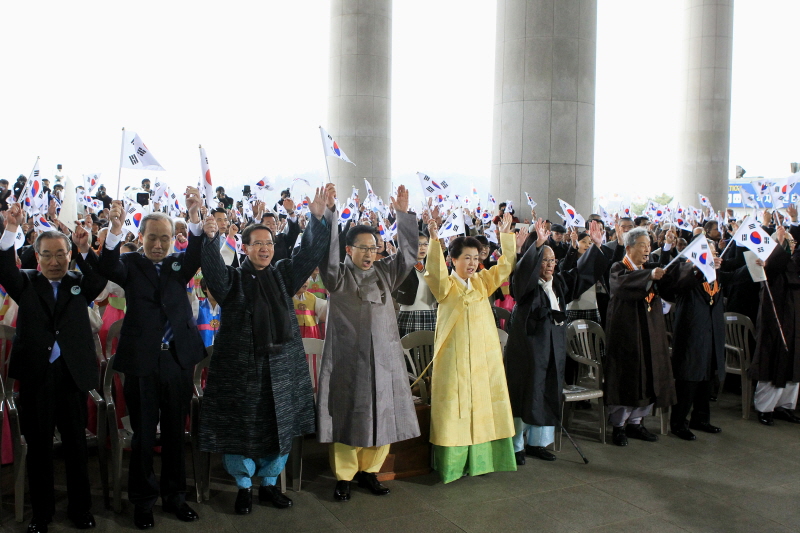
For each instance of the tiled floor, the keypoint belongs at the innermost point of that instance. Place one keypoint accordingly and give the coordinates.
(745, 479)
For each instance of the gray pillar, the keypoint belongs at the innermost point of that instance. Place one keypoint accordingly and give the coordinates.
(359, 93)
(543, 140)
(705, 136)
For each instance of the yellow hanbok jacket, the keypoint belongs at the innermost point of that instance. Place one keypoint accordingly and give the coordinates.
(469, 395)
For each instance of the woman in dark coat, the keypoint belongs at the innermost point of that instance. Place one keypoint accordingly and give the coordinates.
(536, 349)
(698, 348)
(258, 394)
(638, 371)
(775, 366)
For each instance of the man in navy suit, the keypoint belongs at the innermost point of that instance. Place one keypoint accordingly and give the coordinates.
(53, 358)
(159, 346)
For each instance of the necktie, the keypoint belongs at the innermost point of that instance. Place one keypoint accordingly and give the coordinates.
(167, 326)
(55, 353)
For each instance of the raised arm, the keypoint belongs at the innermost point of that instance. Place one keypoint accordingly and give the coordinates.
(496, 275)
(316, 238)
(217, 274)
(436, 275)
(330, 269)
(11, 278)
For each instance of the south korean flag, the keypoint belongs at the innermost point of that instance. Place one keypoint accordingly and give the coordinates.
(453, 225)
(430, 187)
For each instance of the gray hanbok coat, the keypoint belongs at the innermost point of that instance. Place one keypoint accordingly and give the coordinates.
(254, 405)
(363, 393)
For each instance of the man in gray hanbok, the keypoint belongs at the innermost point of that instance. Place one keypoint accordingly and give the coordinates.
(363, 397)
(258, 395)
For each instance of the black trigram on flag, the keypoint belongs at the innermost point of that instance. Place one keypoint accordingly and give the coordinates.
(444, 184)
(429, 188)
(134, 159)
(36, 173)
(131, 210)
(141, 151)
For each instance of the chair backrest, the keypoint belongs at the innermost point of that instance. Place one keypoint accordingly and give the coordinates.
(109, 395)
(503, 338)
(418, 349)
(586, 338)
(313, 349)
(199, 382)
(6, 338)
(738, 330)
(501, 313)
(113, 334)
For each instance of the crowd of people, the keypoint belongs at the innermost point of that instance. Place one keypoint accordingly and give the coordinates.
(253, 286)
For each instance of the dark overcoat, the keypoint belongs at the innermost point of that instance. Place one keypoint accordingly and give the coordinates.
(255, 405)
(698, 345)
(536, 349)
(637, 370)
(772, 361)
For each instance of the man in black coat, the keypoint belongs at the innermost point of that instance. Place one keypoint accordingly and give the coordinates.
(159, 346)
(536, 349)
(53, 358)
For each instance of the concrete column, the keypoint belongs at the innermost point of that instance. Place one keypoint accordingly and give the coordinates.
(359, 93)
(543, 140)
(705, 136)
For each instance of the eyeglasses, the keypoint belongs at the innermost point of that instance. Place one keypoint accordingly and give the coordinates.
(549, 261)
(367, 249)
(259, 244)
(49, 256)
(423, 245)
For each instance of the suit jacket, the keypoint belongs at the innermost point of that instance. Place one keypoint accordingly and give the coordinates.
(43, 320)
(152, 299)
(284, 242)
(406, 293)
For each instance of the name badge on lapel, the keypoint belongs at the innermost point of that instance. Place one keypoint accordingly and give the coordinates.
(176, 266)
(76, 290)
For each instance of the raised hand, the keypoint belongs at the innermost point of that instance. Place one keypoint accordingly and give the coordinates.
(233, 229)
(210, 227)
(15, 217)
(193, 203)
(792, 212)
(596, 233)
(541, 232)
(522, 235)
(657, 273)
(433, 230)
(717, 262)
(780, 235)
(80, 237)
(390, 249)
(400, 203)
(117, 217)
(180, 237)
(288, 204)
(317, 205)
(330, 196)
(506, 223)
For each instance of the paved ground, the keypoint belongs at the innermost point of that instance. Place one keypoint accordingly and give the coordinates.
(745, 479)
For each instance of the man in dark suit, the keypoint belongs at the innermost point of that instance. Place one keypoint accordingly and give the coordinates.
(53, 358)
(158, 347)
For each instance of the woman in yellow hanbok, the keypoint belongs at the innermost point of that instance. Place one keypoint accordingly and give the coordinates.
(471, 421)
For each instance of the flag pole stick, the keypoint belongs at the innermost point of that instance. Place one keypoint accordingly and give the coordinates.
(774, 310)
(325, 153)
(119, 172)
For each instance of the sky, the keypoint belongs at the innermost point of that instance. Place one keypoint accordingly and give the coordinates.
(248, 81)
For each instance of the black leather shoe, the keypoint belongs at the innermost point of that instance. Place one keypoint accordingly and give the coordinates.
(342, 491)
(520, 457)
(786, 414)
(638, 431)
(368, 480)
(684, 433)
(271, 493)
(540, 453)
(83, 521)
(705, 426)
(143, 518)
(766, 419)
(38, 525)
(619, 438)
(182, 512)
(244, 501)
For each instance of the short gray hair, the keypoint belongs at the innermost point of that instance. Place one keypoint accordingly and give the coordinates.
(156, 216)
(51, 234)
(634, 234)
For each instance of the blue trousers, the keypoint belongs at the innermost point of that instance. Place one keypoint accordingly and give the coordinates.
(537, 435)
(243, 468)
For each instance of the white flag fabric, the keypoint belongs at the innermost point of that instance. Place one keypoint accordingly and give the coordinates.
(133, 217)
(573, 219)
(704, 201)
(452, 225)
(19, 238)
(331, 147)
(491, 234)
(265, 183)
(762, 188)
(136, 155)
(432, 188)
(752, 236)
(211, 201)
(531, 203)
(780, 192)
(174, 203)
(35, 199)
(247, 209)
(699, 254)
(91, 182)
(349, 212)
(41, 224)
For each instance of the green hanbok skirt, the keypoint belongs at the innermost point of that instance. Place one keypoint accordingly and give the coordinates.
(454, 462)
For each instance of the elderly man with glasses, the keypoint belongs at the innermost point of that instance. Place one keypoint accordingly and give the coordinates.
(363, 399)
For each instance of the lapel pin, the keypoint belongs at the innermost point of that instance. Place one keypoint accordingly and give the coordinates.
(76, 290)
(176, 266)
